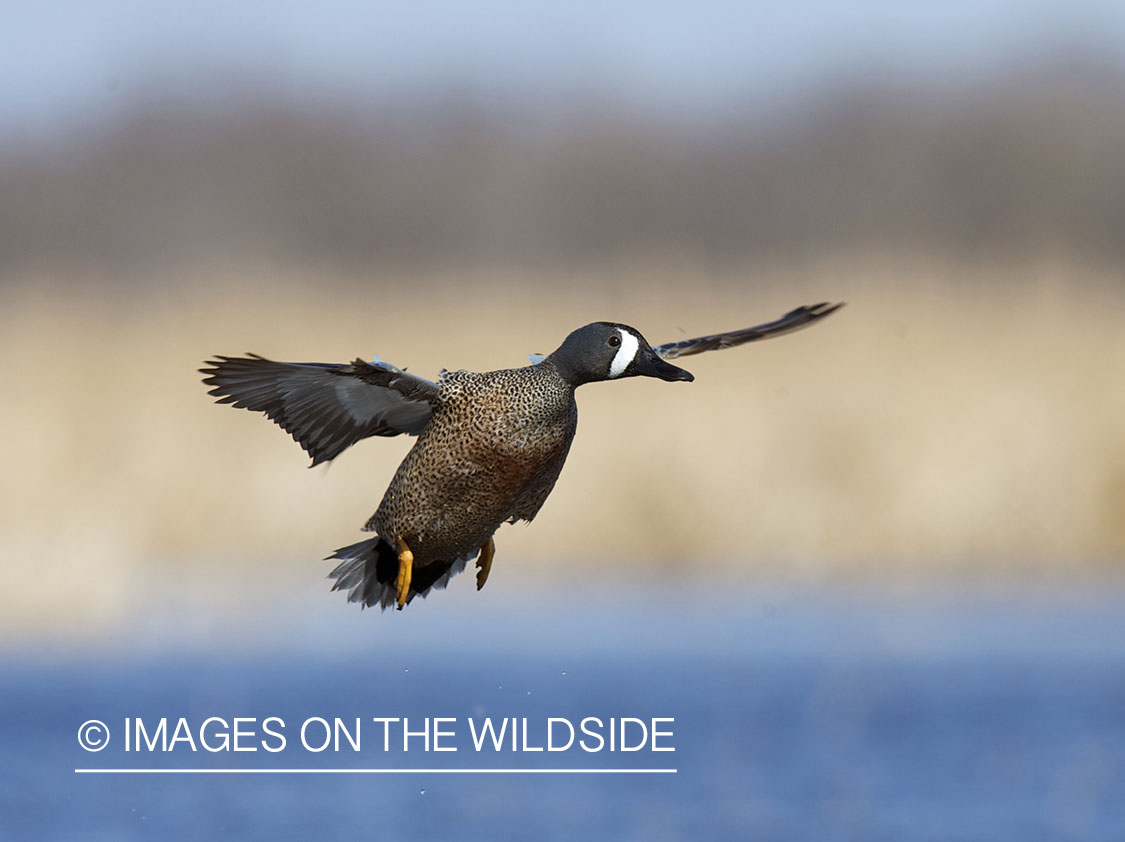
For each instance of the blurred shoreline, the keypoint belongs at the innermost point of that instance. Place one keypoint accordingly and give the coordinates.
(950, 419)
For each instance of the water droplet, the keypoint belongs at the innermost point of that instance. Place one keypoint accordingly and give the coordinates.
(407, 669)
(564, 673)
(529, 692)
(421, 792)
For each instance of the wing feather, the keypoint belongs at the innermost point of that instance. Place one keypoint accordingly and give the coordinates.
(793, 320)
(326, 407)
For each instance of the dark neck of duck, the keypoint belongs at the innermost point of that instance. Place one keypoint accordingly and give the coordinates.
(573, 367)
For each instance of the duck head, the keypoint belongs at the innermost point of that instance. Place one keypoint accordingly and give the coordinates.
(609, 351)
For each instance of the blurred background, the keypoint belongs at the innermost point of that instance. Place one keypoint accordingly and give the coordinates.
(934, 475)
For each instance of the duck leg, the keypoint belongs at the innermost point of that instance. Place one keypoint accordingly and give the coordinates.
(405, 568)
(484, 562)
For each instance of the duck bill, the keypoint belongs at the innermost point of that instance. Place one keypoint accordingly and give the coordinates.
(650, 365)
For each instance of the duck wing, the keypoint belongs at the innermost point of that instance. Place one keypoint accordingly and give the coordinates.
(326, 407)
(793, 320)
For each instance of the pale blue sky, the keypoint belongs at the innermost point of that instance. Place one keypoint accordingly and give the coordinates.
(74, 57)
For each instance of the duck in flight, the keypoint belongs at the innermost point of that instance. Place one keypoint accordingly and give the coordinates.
(489, 447)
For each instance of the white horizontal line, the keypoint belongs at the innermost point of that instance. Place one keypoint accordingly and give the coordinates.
(375, 771)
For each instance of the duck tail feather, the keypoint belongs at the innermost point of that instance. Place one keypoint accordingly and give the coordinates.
(367, 572)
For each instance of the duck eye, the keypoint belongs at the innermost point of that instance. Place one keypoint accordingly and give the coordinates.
(614, 341)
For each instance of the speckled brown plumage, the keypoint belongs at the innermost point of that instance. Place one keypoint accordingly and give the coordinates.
(491, 453)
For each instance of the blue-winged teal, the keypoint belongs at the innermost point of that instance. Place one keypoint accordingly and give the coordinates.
(490, 446)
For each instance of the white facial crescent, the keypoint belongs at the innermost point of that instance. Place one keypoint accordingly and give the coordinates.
(625, 353)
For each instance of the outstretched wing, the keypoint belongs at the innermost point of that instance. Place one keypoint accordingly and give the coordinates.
(793, 320)
(326, 407)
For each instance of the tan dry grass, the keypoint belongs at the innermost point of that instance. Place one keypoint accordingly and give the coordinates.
(949, 414)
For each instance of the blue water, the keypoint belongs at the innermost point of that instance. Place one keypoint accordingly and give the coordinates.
(804, 716)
